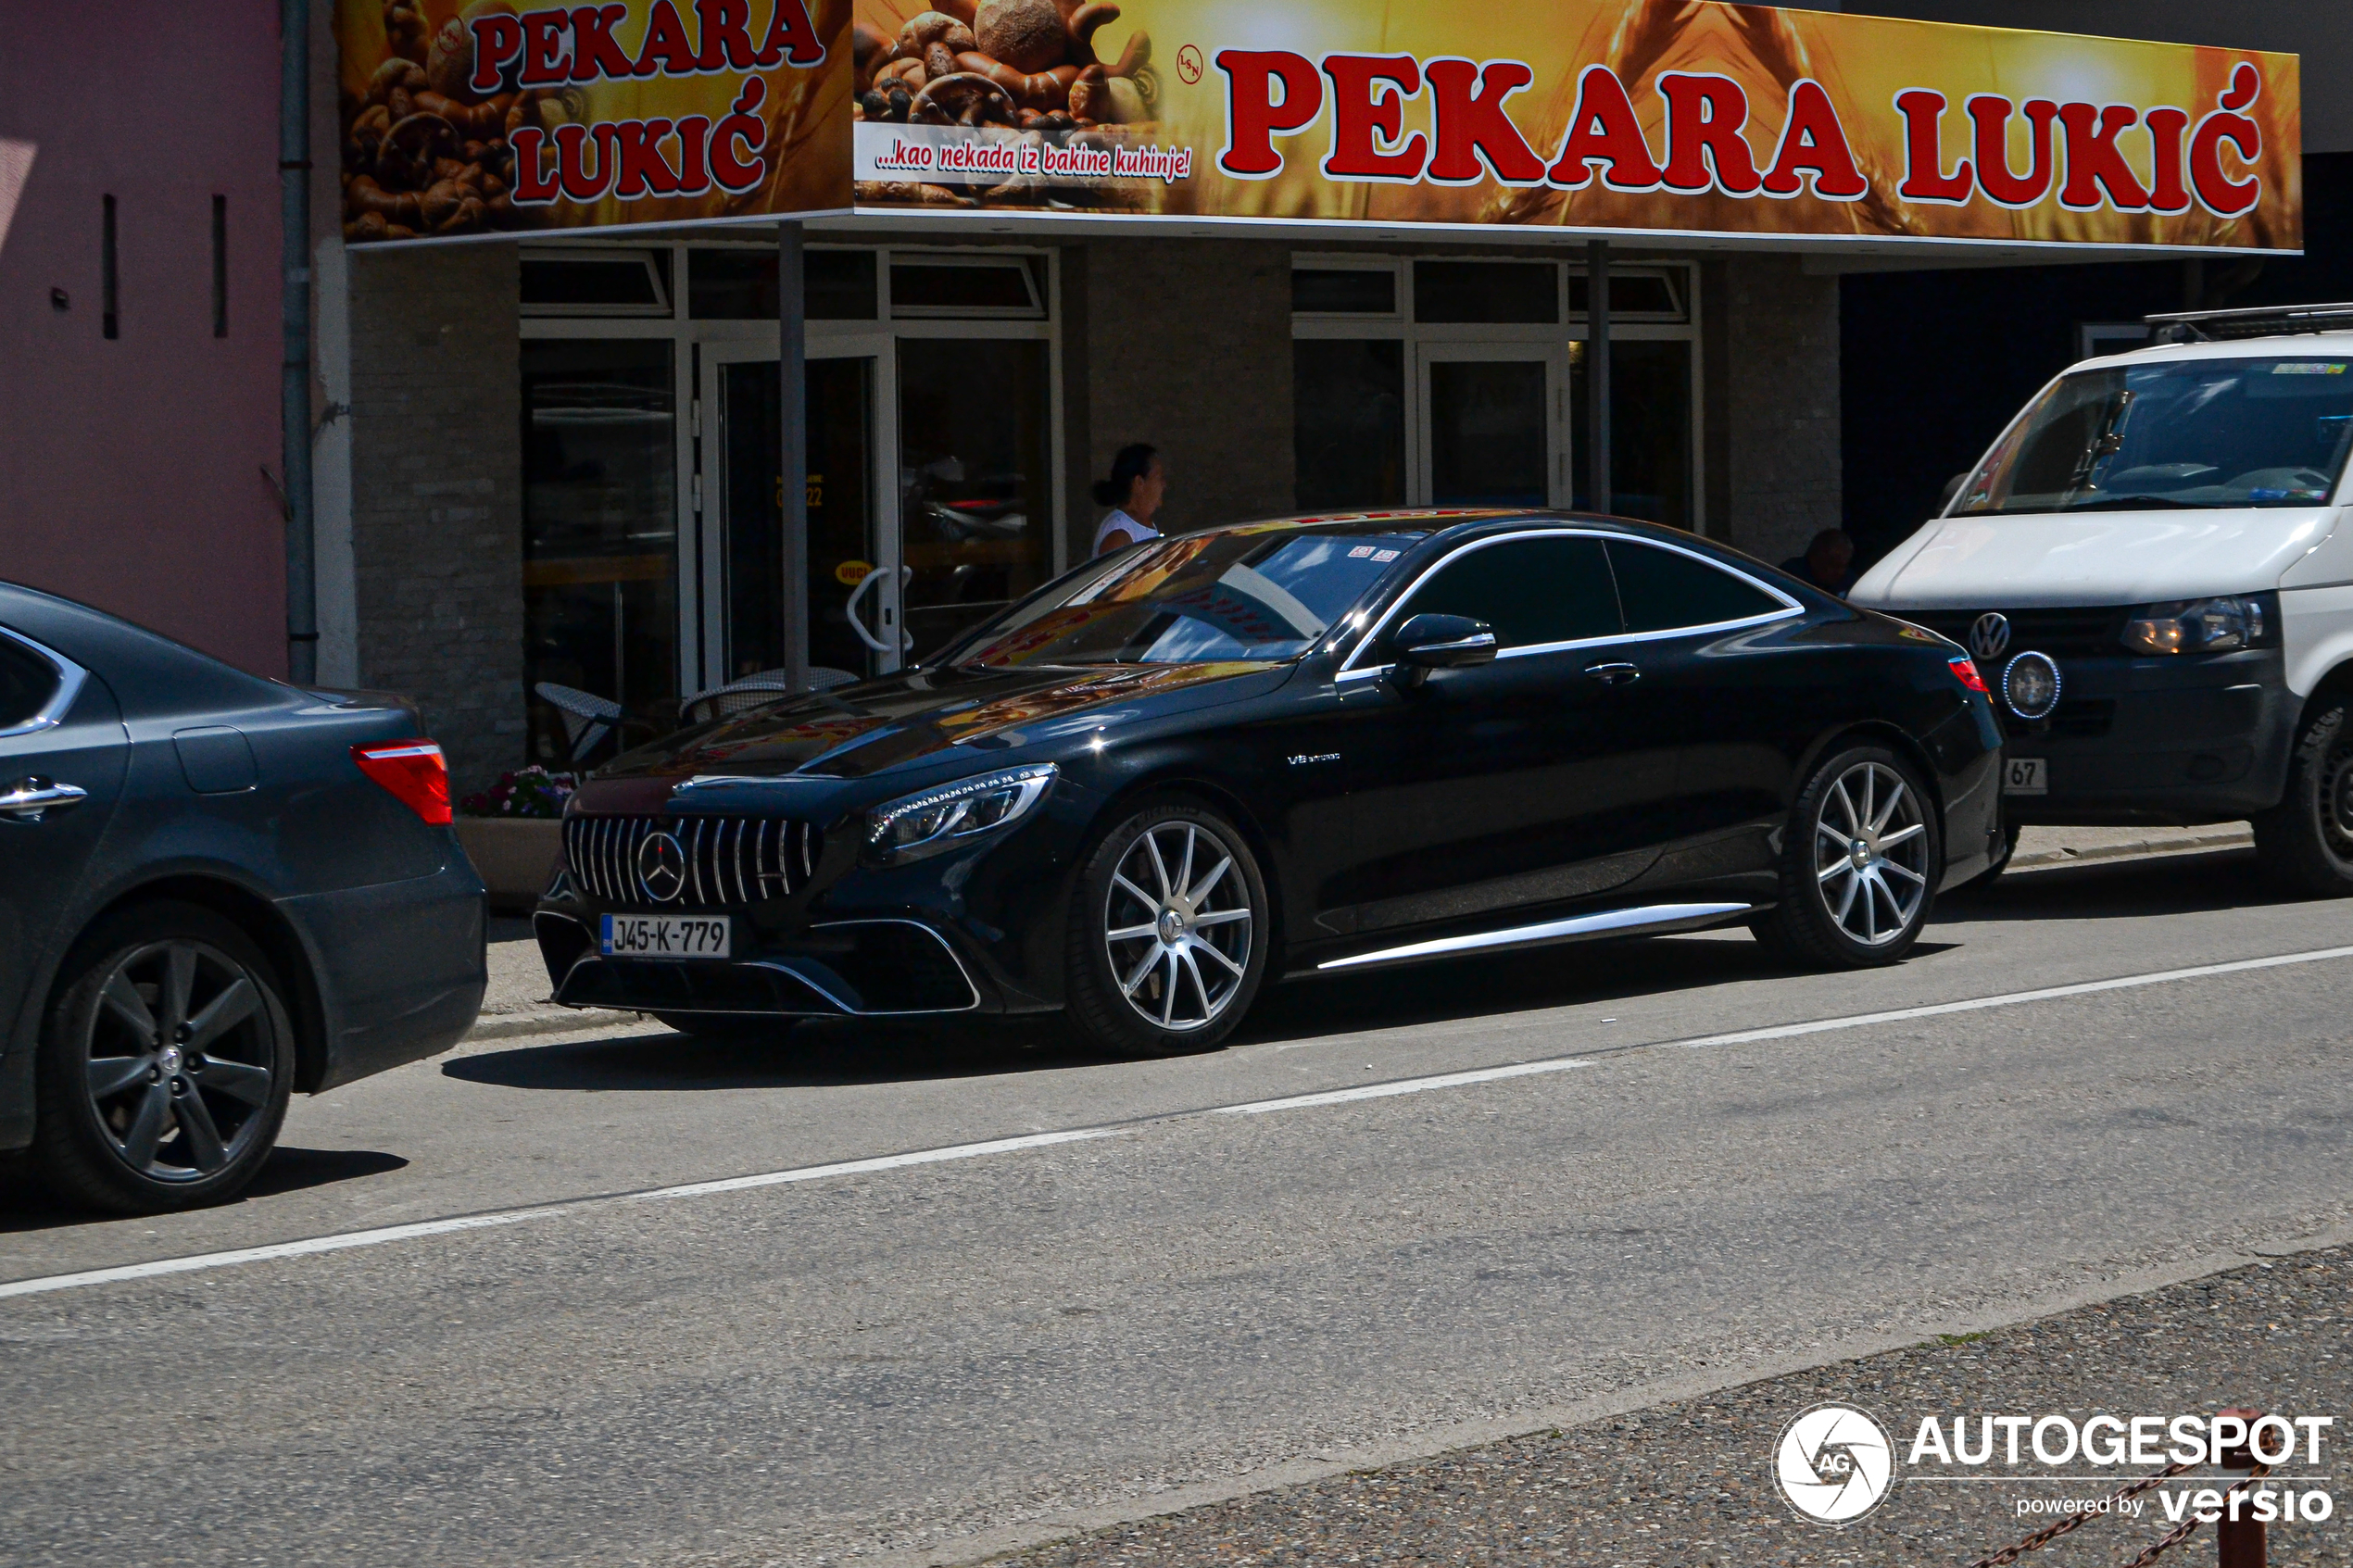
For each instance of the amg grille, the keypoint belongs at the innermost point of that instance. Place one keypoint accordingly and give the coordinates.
(2062, 634)
(728, 859)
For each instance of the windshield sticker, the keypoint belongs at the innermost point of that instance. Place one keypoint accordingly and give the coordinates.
(2309, 368)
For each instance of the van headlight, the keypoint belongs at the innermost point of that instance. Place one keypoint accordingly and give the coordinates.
(936, 820)
(2215, 625)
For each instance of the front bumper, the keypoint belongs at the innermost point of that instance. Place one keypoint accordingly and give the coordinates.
(840, 968)
(2169, 740)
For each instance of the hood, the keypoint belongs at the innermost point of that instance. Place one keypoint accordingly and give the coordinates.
(900, 720)
(2047, 558)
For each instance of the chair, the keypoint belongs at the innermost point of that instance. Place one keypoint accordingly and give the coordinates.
(759, 690)
(588, 718)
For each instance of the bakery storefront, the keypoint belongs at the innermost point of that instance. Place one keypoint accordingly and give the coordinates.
(1324, 258)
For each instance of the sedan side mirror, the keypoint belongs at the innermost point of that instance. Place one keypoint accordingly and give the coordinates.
(1441, 642)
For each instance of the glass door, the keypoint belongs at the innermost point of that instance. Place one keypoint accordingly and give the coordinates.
(600, 546)
(854, 576)
(1493, 425)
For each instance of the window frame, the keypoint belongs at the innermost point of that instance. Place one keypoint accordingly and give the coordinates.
(1351, 670)
(661, 305)
(53, 710)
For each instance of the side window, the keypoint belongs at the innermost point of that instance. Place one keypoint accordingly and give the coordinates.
(1664, 589)
(27, 681)
(1531, 591)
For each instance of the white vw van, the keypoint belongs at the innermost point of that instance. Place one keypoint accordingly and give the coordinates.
(2153, 568)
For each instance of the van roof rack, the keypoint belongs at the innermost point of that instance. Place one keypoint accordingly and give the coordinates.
(2258, 321)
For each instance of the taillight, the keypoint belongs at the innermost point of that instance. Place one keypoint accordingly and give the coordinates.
(416, 772)
(1965, 672)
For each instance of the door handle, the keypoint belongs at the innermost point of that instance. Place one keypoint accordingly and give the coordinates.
(1616, 674)
(850, 608)
(28, 799)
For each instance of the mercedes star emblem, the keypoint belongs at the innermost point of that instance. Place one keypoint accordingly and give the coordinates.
(1989, 635)
(662, 868)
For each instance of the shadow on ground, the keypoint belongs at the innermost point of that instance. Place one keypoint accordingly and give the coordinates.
(25, 1205)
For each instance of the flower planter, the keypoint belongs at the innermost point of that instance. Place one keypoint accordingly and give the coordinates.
(512, 855)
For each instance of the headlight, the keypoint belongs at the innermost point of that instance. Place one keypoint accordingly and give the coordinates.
(2216, 625)
(953, 815)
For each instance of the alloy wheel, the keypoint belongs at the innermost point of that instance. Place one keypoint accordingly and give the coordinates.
(178, 1060)
(1176, 926)
(1870, 854)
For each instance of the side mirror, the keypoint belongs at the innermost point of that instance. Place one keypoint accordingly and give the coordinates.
(1441, 642)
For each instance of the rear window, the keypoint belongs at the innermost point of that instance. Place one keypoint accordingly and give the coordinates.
(1663, 590)
(26, 683)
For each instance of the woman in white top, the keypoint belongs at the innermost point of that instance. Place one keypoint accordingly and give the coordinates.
(1132, 492)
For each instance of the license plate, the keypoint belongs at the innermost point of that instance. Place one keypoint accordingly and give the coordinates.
(2026, 775)
(664, 936)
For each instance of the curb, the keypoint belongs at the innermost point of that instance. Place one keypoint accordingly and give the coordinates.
(2041, 858)
(508, 1026)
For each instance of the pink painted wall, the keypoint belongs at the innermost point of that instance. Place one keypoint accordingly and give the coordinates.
(130, 469)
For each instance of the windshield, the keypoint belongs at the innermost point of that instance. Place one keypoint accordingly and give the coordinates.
(2199, 432)
(1241, 594)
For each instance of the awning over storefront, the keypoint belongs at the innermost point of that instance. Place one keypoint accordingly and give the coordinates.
(1675, 121)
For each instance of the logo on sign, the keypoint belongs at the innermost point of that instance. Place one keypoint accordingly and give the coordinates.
(1988, 637)
(1834, 1463)
(662, 868)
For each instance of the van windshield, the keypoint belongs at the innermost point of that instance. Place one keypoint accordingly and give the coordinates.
(2199, 432)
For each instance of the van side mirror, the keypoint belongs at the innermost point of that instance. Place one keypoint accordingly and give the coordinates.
(1441, 642)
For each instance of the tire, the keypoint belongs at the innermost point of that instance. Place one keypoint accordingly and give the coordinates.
(733, 1029)
(1168, 870)
(1987, 877)
(166, 1062)
(1859, 864)
(2305, 844)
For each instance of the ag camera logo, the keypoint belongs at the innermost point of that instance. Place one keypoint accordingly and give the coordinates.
(1834, 1463)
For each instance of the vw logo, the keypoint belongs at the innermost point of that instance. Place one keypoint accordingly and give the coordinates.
(1989, 635)
(1834, 1463)
(662, 868)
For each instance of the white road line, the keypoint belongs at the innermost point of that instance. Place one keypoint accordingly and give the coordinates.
(1402, 1086)
(1039, 1140)
(2049, 993)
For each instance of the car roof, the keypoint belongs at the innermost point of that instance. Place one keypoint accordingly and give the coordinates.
(1435, 522)
(2286, 345)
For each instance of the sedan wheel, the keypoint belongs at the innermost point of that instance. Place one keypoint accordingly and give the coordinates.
(1859, 864)
(165, 1069)
(1173, 928)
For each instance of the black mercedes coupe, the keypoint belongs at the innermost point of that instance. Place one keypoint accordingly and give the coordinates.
(1298, 747)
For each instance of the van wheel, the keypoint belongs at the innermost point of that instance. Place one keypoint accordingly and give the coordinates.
(165, 1063)
(2305, 844)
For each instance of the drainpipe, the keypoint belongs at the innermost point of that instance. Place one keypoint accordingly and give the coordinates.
(294, 413)
(1597, 373)
(792, 366)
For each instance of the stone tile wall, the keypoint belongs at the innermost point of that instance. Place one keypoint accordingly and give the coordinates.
(437, 493)
(1779, 400)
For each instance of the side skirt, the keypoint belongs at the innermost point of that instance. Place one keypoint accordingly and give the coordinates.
(1648, 919)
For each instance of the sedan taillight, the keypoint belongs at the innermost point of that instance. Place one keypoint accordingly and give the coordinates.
(1965, 672)
(414, 771)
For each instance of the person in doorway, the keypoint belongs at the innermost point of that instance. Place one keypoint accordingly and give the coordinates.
(1132, 492)
(1828, 563)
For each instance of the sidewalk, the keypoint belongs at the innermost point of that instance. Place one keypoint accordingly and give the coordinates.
(1689, 1484)
(516, 1003)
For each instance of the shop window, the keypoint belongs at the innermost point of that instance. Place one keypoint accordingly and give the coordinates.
(1348, 424)
(1633, 296)
(1487, 291)
(599, 547)
(1650, 416)
(595, 283)
(739, 283)
(977, 509)
(1011, 287)
(1337, 291)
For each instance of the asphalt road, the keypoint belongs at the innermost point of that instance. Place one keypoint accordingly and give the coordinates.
(922, 1360)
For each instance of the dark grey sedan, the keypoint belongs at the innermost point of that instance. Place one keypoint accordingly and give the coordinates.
(214, 890)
